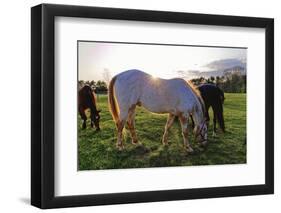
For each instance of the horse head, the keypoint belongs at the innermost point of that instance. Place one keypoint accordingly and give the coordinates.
(95, 119)
(201, 133)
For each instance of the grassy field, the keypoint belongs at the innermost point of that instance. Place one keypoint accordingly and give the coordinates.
(97, 150)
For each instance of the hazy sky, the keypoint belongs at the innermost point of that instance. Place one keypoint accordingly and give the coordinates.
(158, 60)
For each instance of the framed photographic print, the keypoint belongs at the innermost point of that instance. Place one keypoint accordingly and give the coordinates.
(139, 106)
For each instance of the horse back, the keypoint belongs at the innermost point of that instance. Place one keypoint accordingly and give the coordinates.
(134, 87)
(86, 97)
(211, 93)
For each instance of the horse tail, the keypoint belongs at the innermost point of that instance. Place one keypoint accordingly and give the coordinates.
(112, 103)
(220, 109)
(219, 115)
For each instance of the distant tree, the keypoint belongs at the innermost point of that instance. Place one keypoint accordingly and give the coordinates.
(81, 83)
(92, 84)
(198, 81)
(210, 80)
(101, 87)
(233, 83)
(244, 84)
(106, 76)
(218, 81)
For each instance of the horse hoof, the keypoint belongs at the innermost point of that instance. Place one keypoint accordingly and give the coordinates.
(189, 149)
(165, 144)
(120, 148)
(204, 143)
(135, 142)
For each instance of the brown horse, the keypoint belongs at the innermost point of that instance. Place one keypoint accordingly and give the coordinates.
(87, 100)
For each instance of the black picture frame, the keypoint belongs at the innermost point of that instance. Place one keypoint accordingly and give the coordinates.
(43, 105)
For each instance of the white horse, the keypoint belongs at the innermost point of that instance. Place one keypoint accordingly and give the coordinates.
(174, 96)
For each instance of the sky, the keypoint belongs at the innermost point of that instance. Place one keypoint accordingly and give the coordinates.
(99, 61)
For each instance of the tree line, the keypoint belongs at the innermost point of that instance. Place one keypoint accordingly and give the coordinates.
(233, 83)
(99, 87)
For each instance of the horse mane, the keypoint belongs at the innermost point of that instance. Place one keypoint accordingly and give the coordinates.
(198, 95)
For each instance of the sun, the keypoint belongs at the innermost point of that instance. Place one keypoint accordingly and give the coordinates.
(154, 76)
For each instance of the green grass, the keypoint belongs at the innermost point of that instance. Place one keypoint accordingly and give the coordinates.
(97, 150)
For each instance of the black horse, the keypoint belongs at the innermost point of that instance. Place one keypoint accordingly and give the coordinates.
(213, 97)
(86, 100)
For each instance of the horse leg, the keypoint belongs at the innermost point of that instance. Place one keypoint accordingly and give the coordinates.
(219, 113)
(120, 126)
(131, 124)
(83, 116)
(192, 122)
(92, 121)
(207, 115)
(168, 125)
(184, 127)
(91, 116)
(214, 122)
